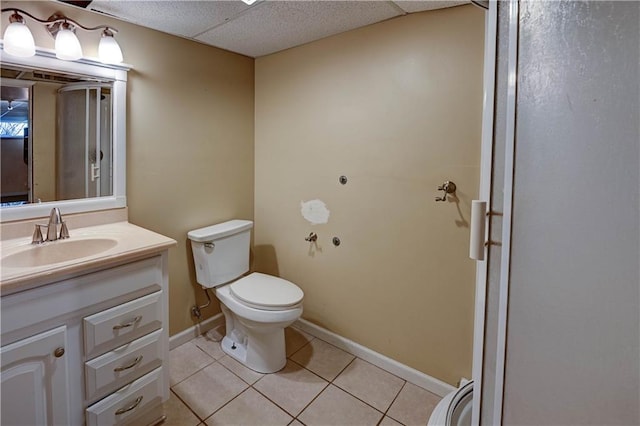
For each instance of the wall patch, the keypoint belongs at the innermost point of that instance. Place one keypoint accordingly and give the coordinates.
(314, 211)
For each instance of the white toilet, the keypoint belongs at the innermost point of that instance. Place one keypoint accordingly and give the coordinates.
(256, 307)
(455, 408)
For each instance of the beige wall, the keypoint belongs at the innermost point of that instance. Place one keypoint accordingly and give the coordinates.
(189, 137)
(190, 158)
(44, 150)
(396, 107)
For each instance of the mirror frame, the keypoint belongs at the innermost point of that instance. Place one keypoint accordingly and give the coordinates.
(45, 60)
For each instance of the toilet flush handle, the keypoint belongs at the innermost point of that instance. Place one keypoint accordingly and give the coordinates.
(210, 245)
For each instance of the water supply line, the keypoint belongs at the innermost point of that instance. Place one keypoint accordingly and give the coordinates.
(195, 310)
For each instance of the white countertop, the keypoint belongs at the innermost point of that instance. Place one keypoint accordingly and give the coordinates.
(131, 242)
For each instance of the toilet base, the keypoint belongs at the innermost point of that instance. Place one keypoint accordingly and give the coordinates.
(261, 353)
(254, 337)
(234, 350)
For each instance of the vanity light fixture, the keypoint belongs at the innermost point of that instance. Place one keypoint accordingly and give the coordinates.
(249, 2)
(18, 40)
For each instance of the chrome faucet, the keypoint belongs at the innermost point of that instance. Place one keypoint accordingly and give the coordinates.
(55, 219)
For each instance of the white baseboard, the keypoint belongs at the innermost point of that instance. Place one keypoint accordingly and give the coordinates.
(405, 372)
(198, 329)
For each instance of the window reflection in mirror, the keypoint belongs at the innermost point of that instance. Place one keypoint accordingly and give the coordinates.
(56, 135)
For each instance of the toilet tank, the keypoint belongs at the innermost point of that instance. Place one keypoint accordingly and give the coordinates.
(221, 252)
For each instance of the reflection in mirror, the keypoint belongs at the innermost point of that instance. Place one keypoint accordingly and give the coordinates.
(14, 146)
(56, 131)
(103, 183)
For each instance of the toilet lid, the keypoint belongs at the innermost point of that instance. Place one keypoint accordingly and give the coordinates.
(266, 291)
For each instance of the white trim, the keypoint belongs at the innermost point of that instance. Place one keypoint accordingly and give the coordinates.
(484, 193)
(192, 332)
(31, 211)
(507, 211)
(45, 60)
(403, 371)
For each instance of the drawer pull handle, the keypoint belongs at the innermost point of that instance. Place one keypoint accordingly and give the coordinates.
(130, 407)
(129, 324)
(126, 367)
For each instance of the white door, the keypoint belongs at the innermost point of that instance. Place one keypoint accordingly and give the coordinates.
(34, 380)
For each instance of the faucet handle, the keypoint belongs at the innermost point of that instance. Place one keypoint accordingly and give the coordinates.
(64, 231)
(37, 236)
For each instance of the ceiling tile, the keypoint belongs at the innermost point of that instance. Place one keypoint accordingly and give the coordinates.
(410, 6)
(271, 26)
(184, 18)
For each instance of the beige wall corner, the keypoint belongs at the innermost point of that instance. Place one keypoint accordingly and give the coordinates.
(190, 154)
(396, 107)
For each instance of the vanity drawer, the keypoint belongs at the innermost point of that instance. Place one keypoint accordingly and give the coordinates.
(115, 369)
(114, 327)
(127, 403)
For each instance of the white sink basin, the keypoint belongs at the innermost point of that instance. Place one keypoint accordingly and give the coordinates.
(53, 252)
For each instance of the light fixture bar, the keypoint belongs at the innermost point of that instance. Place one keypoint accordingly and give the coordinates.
(58, 18)
(18, 40)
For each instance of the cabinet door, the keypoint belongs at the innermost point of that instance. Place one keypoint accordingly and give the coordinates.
(34, 380)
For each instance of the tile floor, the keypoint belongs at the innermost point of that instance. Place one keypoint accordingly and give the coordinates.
(320, 385)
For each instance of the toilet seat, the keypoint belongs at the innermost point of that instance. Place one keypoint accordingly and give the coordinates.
(266, 292)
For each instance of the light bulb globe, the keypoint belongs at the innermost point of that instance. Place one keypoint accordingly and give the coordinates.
(109, 51)
(67, 45)
(18, 40)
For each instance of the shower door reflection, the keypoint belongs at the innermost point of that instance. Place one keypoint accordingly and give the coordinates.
(84, 153)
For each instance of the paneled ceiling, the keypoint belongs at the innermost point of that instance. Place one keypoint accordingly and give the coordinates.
(262, 28)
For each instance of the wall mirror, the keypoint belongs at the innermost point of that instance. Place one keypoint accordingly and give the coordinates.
(63, 135)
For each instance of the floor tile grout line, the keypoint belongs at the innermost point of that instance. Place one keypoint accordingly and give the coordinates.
(361, 359)
(186, 405)
(312, 372)
(362, 400)
(340, 372)
(200, 368)
(331, 382)
(404, 382)
(345, 367)
(192, 374)
(238, 376)
(328, 383)
(385, 413)
(226, 403)
(282, 408)
(394, 400)
(388, 372)
(311, 402)
(207, 353)
(300, 348)
(223, 366)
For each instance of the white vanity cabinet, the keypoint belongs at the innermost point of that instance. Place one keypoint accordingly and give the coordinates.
(34, 380)
(88, 349)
